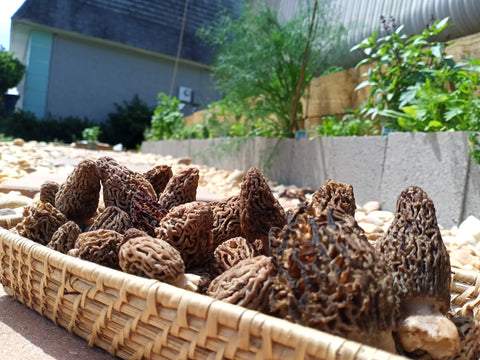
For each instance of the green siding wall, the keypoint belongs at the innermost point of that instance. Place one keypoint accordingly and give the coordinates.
(38, 68)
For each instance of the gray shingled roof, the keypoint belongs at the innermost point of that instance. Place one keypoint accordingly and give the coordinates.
(148, 24)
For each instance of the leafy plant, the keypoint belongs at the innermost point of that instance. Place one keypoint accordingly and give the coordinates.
(11, 71)
(25, 125)
(167, 121)
(351, 124)
(90, 135)
(399, 62)
(127, 124)
(263, 64)
(415, 86)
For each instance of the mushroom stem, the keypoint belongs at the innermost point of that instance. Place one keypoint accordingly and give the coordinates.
(424, 327)
(382, 340)
(188, 282)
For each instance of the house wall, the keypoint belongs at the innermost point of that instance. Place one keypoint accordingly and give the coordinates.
(82, 72)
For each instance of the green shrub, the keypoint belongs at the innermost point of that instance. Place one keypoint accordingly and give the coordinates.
(350, 125)
(90, 135)
(127, 125)
(167, 121)
(415, 86)
(25, 125)
(11, 71)
(267, 63)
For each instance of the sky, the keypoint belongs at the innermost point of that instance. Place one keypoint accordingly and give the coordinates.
(7, 9)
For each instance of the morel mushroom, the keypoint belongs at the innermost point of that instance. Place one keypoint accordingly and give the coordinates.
(48, 191)
(181, 188)
(159, 177)
(133, 232)
(154, 258)
(120, 183)
(226, 219)
(329, 277)
(146, 212)
(112, 218)
(40, 221)
(336, 195)
(188, 227)
(78, 196)
(64, 238)
(99, 246)
(259, 209)
(231, 252)
(420, 264)
(246, 284)
(469, 333)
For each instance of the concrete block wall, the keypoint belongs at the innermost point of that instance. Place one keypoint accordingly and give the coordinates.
(378, 167)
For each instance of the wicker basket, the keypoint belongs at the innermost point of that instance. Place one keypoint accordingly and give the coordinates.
(10, 221)
(136, 318)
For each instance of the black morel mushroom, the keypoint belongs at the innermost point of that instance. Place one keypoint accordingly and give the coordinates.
(329, 277)
(77, 198)
(419, 262)
(334, 194)
(259, 209)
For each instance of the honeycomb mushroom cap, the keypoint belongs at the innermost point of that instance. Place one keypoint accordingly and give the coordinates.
(231, 252)
(329, 277)
(188, 227)
(335, 195)
(40, 221)
(181, 188)
(78, 196)
(48, 191)
(159, 177)
(146, 212)
(132, 233)
(469, 332)
(112, 218)
(246, 284)
(226, 219)
(99, 246)
(151, 257)
(120, 183)
(259, 209)
(415, 252)
(64, 238)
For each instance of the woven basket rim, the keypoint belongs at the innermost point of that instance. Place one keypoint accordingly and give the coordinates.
(217, 311)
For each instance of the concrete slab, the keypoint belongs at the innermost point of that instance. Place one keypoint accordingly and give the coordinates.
(26, 335)
(437, 162)
(471, 203)
(357, 161)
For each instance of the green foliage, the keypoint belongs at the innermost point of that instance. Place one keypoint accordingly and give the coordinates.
(90, 135)
(167, 121)
(25, 125)
(350, 125)
(11, 71)
(127, 124)
(415, 86)
(259, 58)
(474, 146)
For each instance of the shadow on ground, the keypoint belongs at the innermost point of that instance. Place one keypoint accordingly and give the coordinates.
(26, 335)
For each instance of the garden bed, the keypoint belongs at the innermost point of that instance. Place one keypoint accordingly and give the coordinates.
(378, 167)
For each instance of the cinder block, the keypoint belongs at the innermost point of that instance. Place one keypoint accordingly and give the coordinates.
(471, 203)
(437, 162)
(357, 161)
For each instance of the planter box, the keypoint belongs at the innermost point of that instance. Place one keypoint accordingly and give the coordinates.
(378, 167)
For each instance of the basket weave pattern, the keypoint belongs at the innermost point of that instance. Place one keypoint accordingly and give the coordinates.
(137, 318)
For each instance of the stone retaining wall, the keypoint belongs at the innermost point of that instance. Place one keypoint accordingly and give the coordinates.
(378, 167)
